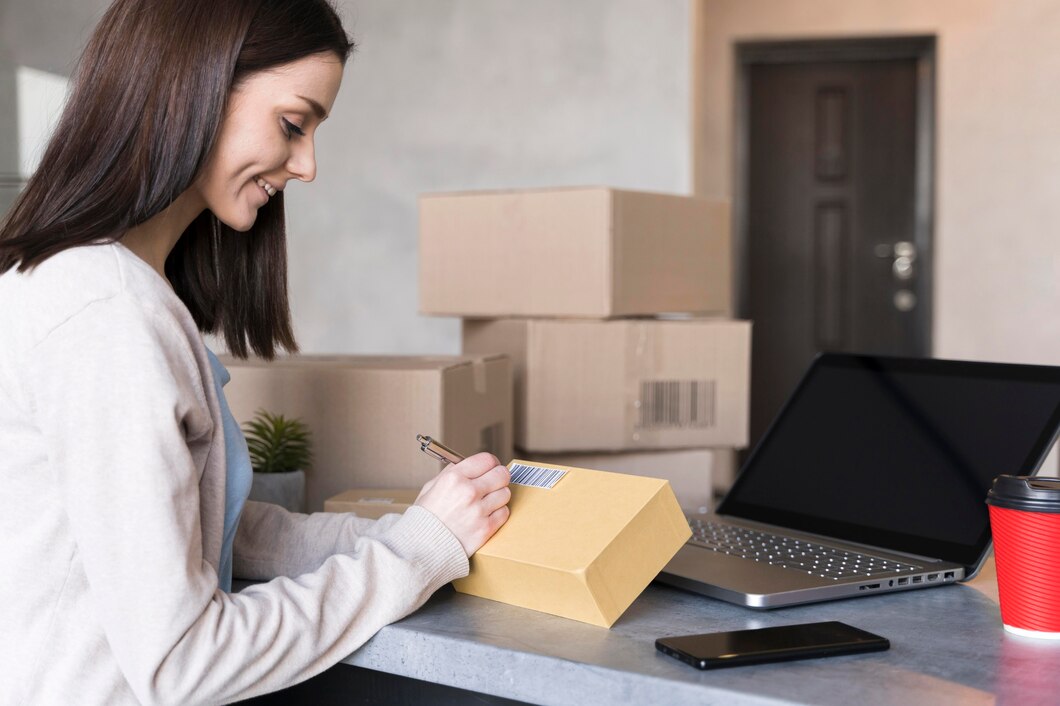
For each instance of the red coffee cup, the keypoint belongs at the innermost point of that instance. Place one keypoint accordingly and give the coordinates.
(1025, 521)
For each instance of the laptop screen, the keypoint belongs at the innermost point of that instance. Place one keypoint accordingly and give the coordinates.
(899, 453)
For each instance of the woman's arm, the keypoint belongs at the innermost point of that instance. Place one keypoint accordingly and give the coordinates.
(117, 396)
(470, 498)
(271, 542)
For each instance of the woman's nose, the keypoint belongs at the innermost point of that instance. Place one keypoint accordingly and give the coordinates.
(303, 163)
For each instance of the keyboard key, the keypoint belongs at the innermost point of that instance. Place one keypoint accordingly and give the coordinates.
(790, 553)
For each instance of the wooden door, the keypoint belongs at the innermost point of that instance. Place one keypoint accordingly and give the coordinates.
(834, 254)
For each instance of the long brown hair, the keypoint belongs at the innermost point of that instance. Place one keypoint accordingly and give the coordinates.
(148, 99)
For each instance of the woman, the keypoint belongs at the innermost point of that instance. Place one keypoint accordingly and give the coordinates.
(157, 214)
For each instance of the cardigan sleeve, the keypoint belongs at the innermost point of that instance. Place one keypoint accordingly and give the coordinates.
(117, 396)
(271, 541)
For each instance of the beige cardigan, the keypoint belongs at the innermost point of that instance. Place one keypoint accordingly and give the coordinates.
(112, 489)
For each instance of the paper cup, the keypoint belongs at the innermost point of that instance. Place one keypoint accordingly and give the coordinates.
(1025, 521)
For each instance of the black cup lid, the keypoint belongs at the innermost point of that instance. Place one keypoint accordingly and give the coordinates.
(1034, 494)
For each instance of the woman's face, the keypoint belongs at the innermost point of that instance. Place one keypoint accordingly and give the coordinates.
(267, 136)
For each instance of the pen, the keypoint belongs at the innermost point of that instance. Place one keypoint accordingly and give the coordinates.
(437, 450)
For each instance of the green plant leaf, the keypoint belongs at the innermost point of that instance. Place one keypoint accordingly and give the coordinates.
(277, 444)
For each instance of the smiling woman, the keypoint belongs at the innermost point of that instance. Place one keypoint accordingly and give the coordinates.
(267, 138)
(156, 214)
(166, 100)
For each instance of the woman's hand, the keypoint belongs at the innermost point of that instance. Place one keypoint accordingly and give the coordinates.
(470, 498)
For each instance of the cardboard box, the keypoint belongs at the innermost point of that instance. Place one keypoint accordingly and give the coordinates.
(689, 471)
(623, 385)
(578, 252)
(372, 503)
(365, 411)
(583, 549)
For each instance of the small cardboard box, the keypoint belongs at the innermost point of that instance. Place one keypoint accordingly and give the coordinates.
(623, 385)
(364, 412)
(577, 252)
(372, 503)
(689, 471)
(584, 548)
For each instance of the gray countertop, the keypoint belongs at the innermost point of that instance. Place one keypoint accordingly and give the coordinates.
(947, 646)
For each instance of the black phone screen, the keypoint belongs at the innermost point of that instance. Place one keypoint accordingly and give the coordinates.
(725, 649)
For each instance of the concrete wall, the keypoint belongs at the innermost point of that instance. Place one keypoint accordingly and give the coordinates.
(10, 184)
(444, 95)
(48, 35)
(8, 116)
(461, 94)
(8, 104)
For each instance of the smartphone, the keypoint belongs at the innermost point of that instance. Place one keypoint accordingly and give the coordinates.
(730, 649)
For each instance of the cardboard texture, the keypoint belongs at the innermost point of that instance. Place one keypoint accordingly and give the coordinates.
(623, 385)
(372, 503)
(365, 411)
(578, 252)
(689, 471)
(583, 549)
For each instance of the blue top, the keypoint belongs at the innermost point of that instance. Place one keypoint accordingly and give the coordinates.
(238, 475)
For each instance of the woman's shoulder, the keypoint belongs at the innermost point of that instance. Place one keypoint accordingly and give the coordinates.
(72, 281)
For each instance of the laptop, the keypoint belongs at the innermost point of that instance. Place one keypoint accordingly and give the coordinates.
(873, 478)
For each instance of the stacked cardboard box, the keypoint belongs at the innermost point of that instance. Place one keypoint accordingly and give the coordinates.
(365, 412)
(580, 288)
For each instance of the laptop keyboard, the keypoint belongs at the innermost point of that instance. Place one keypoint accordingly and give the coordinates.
(791, 553)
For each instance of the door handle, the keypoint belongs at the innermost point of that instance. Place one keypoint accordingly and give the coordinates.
(902, 267)
(904, 257)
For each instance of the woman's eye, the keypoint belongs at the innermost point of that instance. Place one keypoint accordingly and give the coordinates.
(290, 127)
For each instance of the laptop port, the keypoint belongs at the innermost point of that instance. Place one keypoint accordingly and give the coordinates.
(918, 579)
(933, 577)
(948, 575)
(902, 582)
(869, 587)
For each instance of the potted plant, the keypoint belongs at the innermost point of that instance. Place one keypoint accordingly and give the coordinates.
(280, 451)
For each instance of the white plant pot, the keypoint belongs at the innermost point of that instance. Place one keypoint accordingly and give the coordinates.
(283, 489)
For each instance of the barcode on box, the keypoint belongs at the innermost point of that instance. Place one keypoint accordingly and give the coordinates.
(535, 476)
(676, 403)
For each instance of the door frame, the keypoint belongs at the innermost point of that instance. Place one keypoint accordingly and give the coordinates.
(920, 48)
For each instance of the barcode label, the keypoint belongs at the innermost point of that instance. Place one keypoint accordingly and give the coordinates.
(535, 476)
(676, 403)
